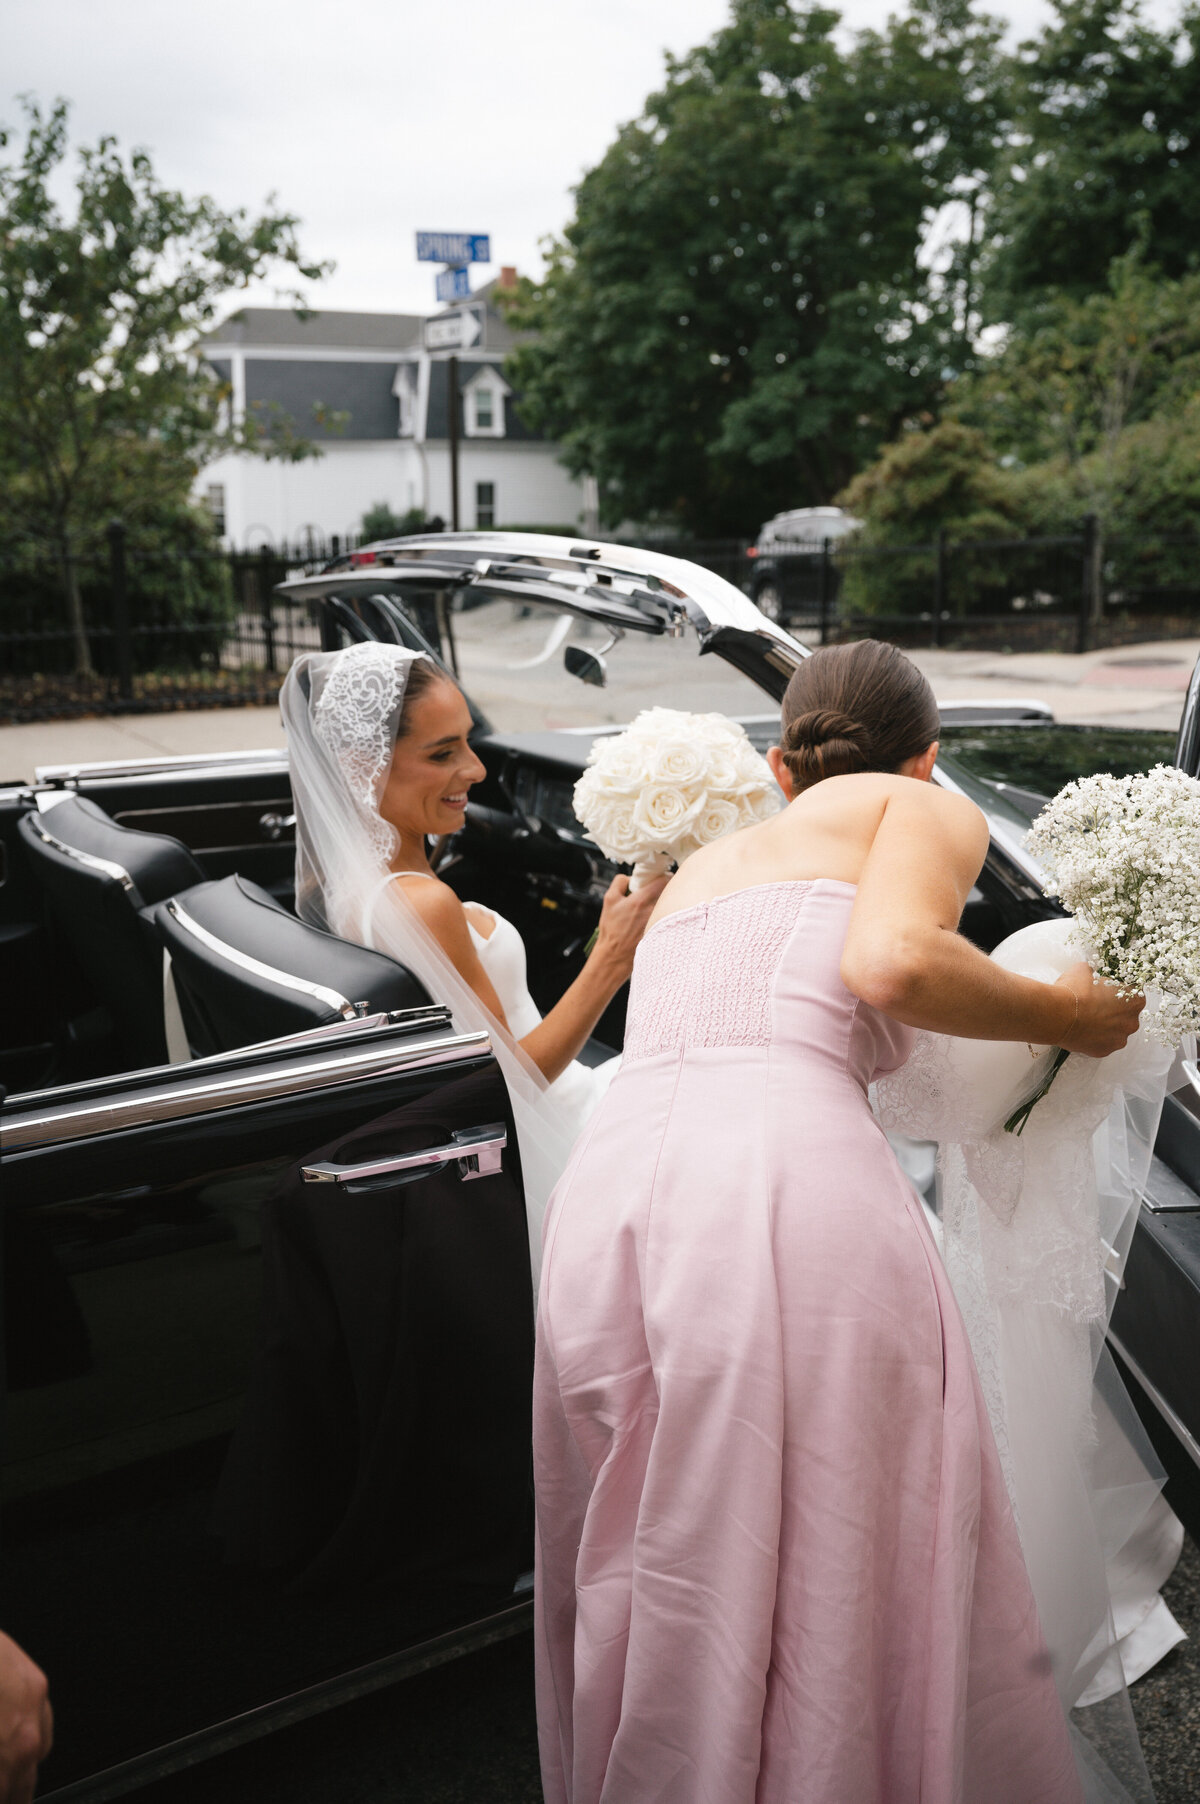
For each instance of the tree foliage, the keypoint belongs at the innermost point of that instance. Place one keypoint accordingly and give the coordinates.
(737, 317)
(1101, 152)
(103, 400)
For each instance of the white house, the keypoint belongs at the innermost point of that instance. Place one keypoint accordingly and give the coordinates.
(392, 444)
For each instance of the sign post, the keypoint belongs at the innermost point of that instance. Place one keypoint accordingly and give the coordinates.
(452, 378)
(459, 329)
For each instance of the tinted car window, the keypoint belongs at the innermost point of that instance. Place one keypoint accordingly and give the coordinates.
(1040, 759)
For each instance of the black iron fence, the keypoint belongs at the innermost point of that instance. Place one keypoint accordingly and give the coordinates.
(1069, 592)
(199, 626)
(152, 630)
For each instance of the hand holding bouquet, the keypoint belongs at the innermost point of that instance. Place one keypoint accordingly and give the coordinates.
(1123, 856)
(670, 783)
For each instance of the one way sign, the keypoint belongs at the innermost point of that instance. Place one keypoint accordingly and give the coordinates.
(456, 331)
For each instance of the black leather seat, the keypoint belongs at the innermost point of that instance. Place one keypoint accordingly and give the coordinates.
(97, 876)
(245, 970)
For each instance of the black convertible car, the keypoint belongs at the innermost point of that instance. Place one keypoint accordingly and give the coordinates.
(268, 1327)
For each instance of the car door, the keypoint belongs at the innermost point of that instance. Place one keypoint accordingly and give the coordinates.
(266, 1410)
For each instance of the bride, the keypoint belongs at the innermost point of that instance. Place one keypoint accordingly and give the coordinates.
(381, 764)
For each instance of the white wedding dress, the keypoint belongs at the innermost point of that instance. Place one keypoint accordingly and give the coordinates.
(577, 1091)
(1035, 1230)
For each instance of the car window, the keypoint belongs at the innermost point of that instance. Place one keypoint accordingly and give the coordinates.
(510, 661)
(1040, 759)
(1012, 770)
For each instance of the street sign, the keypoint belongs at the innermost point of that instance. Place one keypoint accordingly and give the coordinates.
(454, 285)
(453, 247)
(456, 331)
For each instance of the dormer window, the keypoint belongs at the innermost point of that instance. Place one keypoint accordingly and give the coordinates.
(483, 403)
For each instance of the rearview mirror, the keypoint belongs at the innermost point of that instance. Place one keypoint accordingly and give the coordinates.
(588, 666)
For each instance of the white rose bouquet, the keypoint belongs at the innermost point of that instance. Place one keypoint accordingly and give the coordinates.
(1123, 856)
(670, 783)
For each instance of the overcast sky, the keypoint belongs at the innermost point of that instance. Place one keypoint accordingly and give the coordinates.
(371, 119)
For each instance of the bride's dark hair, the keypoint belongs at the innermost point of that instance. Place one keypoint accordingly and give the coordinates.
(423, 673)
(855, 707)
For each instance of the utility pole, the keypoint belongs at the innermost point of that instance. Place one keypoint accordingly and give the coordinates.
(452, 378)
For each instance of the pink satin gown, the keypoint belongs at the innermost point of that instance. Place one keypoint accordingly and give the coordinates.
(776, 1560)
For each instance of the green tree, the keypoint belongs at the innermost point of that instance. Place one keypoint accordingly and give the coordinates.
(380, 522)
(100, 384)
(942, 480)
(1066, 390)
(1102, 150)
(738, 316)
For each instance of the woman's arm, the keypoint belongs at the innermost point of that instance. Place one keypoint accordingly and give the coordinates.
(562, 1033)
(905, 956)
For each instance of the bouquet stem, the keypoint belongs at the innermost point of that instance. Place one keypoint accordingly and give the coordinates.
(1016, 1121)
(655, 864)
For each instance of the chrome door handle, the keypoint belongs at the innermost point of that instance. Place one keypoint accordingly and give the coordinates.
(477, 1151)
(274, 826)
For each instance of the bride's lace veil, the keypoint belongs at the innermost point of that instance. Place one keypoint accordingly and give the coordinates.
(342, 711)
(1035, 1232)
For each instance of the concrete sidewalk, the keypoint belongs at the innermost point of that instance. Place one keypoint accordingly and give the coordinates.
(1128, 686)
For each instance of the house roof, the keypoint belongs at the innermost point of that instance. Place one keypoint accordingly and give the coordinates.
(325, 330)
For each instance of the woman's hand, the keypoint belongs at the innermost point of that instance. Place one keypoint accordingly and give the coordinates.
(1105, 1019)
(624, 917)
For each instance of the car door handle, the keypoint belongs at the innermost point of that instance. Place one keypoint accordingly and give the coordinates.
(476, 1150)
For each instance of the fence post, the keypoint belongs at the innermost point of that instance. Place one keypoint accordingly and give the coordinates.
(265, 602)
(939, 585)
(1089, 587)
(823, 591)
(118, 579)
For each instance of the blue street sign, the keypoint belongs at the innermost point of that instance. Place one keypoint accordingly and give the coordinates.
(454, 285)
(453, 247)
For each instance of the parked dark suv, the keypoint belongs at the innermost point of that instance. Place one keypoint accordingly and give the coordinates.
(792, 576)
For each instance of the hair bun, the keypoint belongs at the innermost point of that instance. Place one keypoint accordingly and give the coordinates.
(817, 726)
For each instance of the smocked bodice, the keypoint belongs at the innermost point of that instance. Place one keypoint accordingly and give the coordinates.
(758, 968)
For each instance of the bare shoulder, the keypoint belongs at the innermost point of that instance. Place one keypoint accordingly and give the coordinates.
(862, 798)
(435, 903)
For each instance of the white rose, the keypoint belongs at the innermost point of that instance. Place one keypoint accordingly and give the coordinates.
(662, 813)
(610, 823)
(721, 769)
(717, 729)
(715, 819)
(678, 761)
(619, 760)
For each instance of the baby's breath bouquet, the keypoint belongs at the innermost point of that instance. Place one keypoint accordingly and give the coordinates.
(670, 783)
(1123, 856)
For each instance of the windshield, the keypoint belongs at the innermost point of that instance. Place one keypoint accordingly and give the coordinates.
(510, 661)
(1012, 770)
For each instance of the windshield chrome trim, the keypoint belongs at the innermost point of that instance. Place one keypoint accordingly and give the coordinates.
(98, 769)
(104, 867)
(254, 967)
(175, 1102)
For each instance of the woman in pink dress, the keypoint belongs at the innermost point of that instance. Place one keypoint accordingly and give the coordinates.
(776, 1559)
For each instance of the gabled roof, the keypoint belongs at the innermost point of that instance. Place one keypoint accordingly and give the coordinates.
(324, 330)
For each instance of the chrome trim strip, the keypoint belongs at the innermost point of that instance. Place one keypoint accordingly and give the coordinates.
(176, 1102)
(319, 992)
(1166, 1193)
(145, 767)
(104, 867)
(1182, 1433)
